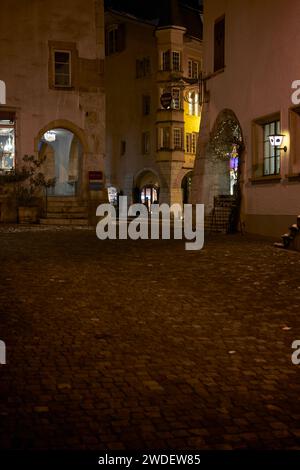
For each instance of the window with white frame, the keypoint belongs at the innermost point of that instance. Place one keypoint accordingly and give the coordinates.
(271, 153)
(62, 68)
(194, 142)
(176, 101)
(177, 138)
(193, 68)
(188, 143)
(145, 143)
(176, 61)
(171, 60)
(164, 138)
(166, 56)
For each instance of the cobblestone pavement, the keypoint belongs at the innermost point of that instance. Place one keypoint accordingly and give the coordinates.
(136, 345)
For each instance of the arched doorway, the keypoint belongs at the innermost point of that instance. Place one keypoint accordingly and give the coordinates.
(62, 151)
(186, 188)
(146, 188)
(149, 195)
(225, 149)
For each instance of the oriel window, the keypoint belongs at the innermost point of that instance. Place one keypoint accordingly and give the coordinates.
(177, 138)
(193, 69)
(166, 56)
(176, 61)
(164, 138)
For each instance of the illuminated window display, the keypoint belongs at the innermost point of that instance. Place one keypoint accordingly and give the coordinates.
(7, 145)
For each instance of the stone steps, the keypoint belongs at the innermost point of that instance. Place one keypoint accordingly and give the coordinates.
(66, 215)
(63, 221)
(217, 221)
(65, 211)
(291, 240)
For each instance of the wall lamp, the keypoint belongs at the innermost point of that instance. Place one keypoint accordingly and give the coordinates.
(276, 141)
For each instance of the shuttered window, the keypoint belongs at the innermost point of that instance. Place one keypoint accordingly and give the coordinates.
(219, 44)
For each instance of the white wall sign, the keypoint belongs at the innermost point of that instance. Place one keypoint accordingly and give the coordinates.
(2, 92)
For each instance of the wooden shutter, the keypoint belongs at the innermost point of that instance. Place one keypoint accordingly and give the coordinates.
(121, 37)
(219, 45)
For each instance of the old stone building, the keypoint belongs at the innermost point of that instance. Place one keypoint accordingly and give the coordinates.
(52, 56)
(153, 64)
(250, 66)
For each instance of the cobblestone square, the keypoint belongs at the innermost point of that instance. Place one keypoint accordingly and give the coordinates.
(143, 345)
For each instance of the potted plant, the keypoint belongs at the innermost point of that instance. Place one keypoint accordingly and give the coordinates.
(29, 194)
(26, 186)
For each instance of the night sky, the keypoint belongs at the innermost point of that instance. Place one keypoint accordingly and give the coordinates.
(149, 10)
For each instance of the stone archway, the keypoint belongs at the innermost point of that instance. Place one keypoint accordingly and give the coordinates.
(217, 182)
(146, 186)
(225, 149)
(63, 124)
(62, 145)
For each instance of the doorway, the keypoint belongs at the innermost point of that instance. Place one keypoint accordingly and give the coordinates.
(63, 152)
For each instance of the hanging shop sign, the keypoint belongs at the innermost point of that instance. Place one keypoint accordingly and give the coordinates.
(96, 180)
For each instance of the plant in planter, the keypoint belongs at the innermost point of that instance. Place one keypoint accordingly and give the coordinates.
(25, 186)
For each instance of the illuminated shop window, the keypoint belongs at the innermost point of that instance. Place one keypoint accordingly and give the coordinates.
(7, 144)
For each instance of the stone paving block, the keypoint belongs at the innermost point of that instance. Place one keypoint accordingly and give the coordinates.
(144, 345)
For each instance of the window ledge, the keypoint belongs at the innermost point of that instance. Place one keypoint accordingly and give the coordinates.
(217, 72)
(62, 88)
(265, 179)
(293, 177)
